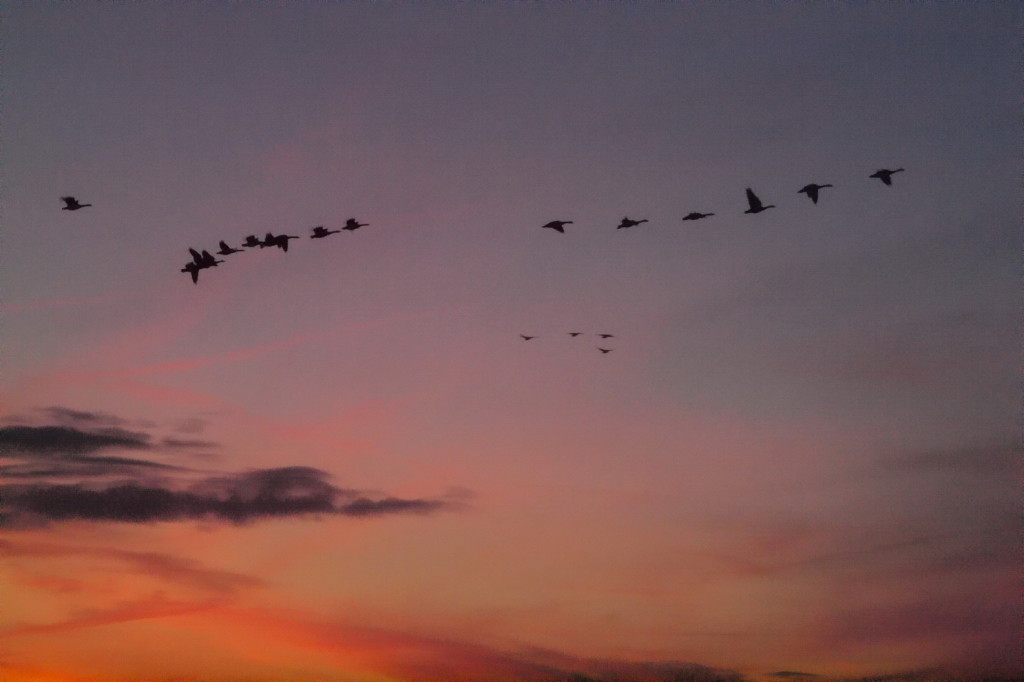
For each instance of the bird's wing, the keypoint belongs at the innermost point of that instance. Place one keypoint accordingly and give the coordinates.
(196, 257)
(752, 199)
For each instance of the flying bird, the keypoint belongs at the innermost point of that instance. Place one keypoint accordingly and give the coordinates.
(251, 241)
(755, 204)
(353, 224)
(558, 225)
(574, 334)
(607, 336)
(605, 350)
(281, 241)
(527, 338)
(206, 260)
(885, 175)
(626, 222)
(696, 216)
(193, 269)
(71, 204)
(226, 250)
(811, 191)
(319, 232)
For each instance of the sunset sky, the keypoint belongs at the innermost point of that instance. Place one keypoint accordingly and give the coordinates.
(343, 463)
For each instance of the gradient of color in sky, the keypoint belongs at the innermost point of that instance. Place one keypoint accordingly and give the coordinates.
(343, 463)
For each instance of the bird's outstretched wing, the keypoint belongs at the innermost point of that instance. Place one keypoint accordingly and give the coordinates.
(755, 203)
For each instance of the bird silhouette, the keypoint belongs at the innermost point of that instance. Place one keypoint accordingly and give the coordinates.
(558, 225)
(206, 260)
(193, 269)
(251, 241)
(319, 232)
(280, 241)
(353, 224)
(626, 222)
(755, 204)
(527, 338)
(696, 216)
(71, 204)
(811, 191)
(607, 336)
(885, 175)
(226, 250)
(574, 334)
(605, 350)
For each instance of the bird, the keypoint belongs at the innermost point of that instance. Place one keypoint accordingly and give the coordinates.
(811, 191)
(527, 338)
(605, 350)
(607, 336)
(193, 269)
(885, 175)
(353, 224)
(626, 222)
(71, 204)
(558, 225)
(280, 241)
(226, 250)
(206, 260)
(251, 241)
(755, 204)
(696, 216)
(574, 334)
(320, 232)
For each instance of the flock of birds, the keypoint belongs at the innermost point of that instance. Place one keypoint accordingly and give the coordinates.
(202, 260)
(525, 337)
(754, 203)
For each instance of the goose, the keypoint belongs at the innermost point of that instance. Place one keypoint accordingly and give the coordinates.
(226, 250)
(71, 204)
(207, 261)
(558, 225)
(626, 222)
(607, 336)
(605, 350)
(319, 232)
(193, 269)
(281, 241)
(527, 338)
(251, 241)
(811, 191)
(755, 204)
(353, 224)
(696, 216)
(885, 175)
(574, 334)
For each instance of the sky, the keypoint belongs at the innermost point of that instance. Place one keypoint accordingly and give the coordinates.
(344, 463)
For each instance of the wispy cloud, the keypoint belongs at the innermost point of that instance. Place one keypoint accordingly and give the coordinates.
(68, 440)
(62, 480)
(236, 498)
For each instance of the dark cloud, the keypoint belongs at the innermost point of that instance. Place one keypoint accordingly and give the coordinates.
(793, 674)
(81, 417)
(83, 467)
(185, 443)
(239, 498)
(68, 440)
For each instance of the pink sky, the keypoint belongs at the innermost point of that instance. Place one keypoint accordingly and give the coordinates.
(344, 463)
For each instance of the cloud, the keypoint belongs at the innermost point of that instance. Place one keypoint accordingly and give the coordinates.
(168, 568)
(236, 498)
(68, 440)
(994, 460)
